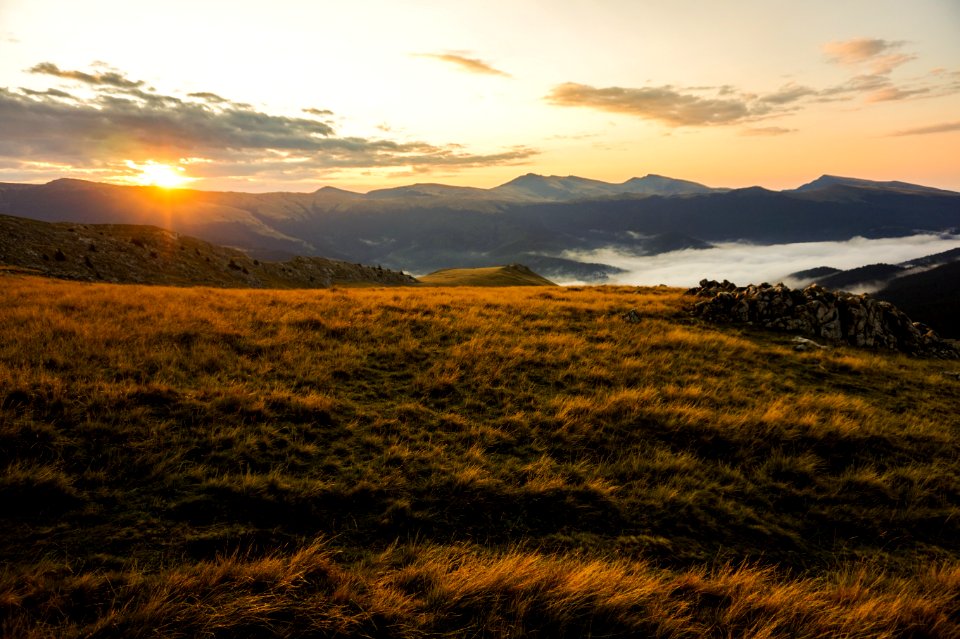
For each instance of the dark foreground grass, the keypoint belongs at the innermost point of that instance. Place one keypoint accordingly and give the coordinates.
(198, 462)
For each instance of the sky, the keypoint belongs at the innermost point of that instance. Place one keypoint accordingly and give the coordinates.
(293, 95)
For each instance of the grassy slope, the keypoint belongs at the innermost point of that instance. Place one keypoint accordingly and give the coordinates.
(511, 275)
(401, 462)
(137, 254)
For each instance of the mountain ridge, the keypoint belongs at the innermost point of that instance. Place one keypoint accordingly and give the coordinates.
(420, 228)
(140, 254)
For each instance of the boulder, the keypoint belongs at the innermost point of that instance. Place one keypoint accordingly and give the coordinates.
(817, 312)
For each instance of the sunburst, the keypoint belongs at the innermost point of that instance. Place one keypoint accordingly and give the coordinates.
(158, 174)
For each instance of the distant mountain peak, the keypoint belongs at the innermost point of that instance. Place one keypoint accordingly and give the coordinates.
(573, 187)
(653, 184)
(334, 190)
(827, 181)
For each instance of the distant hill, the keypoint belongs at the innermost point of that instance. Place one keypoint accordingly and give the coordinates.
(926, 288)
(150, 255)
(863, 278)
(931, 296)
(510, 275)
(423, 227)
(811, 275)
(831, 181)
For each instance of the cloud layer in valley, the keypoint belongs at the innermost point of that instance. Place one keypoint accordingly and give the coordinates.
(105, 119)
(752, 264)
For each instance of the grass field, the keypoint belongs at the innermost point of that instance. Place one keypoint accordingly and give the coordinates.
(419, 462)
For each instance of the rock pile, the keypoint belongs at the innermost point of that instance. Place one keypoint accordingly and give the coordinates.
(818, 312)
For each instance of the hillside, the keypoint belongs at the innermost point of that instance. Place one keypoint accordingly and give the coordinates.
(427, 462)
(424, 227)
(932, 295)
(926, 288)
(510, 275)
(149, 255)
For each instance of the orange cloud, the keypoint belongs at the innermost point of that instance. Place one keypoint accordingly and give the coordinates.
(880, 55)
(767, 131)
(472, 65)
(945, 127)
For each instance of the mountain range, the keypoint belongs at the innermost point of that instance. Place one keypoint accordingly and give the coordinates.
(540, 221)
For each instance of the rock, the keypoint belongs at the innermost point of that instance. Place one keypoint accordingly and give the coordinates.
(631, 316)
(858, 320)
(804, 344)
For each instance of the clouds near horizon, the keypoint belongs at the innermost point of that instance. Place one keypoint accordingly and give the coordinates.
(123, 121)
(664, 104)
(945, 127)
(871, 59)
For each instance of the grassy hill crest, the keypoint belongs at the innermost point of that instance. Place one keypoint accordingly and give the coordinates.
(141, 254)
(508, 275)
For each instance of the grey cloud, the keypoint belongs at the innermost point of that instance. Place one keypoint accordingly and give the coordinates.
(133, 123)
(319, 112)
(473, 65)
(766, 131)
(108, 78)
(788, 93)
(945, 127)
(55, 93)
(206, 96)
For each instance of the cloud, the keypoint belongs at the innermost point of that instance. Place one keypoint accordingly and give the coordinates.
(320, 112)
(889, 94)
(472, 65)
(857, 50)
(945, 127)
(123, 121)
(766, 131)
(664, 104)
(879, 55)
(871, 59)
(108, 78)
(787, 94)
(752, 264)
(206, 96)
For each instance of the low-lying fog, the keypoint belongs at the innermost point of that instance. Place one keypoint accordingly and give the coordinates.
(752, 264)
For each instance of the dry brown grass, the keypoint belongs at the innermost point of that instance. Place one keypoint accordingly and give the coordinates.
(436, 591)
(480, 462)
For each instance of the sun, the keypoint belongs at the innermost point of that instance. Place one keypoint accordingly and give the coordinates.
(162, 175)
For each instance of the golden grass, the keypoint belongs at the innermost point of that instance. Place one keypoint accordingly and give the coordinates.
(434, 591)
(481, 462)
(511, 275)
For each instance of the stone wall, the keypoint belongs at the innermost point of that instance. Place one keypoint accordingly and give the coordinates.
(817, 312)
